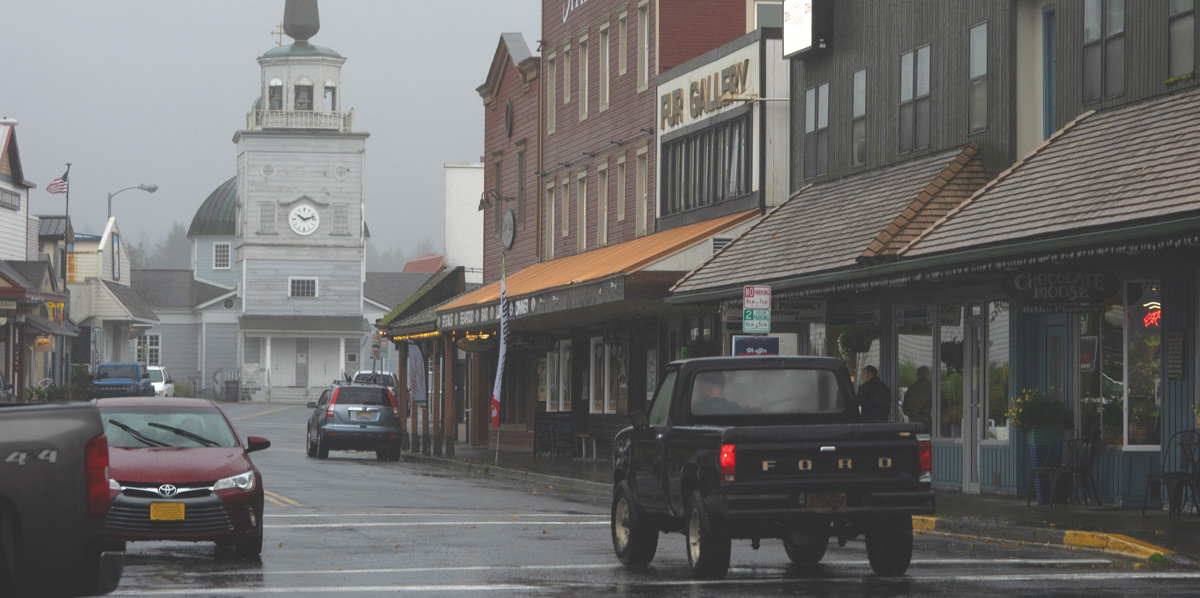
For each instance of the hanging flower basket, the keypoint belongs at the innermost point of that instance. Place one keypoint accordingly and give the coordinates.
(857, 339)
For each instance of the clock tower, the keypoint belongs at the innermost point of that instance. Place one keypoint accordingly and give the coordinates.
(299, 248)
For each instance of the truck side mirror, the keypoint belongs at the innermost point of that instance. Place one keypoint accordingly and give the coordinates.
(639, 419)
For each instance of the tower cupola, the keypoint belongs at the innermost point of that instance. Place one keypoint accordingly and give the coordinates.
(301, 82)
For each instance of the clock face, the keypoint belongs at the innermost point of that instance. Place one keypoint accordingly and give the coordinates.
(304, 220)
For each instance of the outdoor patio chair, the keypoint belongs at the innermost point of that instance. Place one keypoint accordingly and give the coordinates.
(1056, 474)
(1176, 481)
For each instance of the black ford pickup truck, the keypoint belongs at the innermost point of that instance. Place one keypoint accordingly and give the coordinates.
(766, 447)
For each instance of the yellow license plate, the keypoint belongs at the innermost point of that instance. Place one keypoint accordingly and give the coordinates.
(364, 415)
(826, 500)
(166, 511)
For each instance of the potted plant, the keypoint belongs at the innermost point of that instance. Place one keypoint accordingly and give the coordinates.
(1041, 418)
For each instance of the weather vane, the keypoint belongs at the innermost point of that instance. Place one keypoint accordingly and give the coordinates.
(279, 32)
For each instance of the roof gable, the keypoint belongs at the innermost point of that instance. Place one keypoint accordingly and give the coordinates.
(511, 49)
(1134, 163)
(10, 157)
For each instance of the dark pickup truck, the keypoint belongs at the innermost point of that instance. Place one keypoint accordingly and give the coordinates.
(766, 447)
(54, 493)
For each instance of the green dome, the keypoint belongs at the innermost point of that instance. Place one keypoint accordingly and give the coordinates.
(217, 215)
(298, 49)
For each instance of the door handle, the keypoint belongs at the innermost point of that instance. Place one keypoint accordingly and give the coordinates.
(658, 437)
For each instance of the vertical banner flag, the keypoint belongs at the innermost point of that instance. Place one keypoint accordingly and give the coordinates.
(416, 374)
(503, 345)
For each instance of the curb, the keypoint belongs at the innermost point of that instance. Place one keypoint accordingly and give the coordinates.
(483, 469)
(1114, 543)
(984, 530)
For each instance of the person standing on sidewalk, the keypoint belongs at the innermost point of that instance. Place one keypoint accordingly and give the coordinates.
(874, 397)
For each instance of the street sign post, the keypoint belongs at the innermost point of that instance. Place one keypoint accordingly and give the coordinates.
(756, 309)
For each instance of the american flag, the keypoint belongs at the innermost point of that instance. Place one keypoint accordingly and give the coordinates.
(59, 185)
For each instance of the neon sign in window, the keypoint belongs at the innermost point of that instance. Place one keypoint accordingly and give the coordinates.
(1153, 316)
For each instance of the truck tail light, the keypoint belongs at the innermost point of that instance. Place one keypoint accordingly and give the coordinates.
(925, 456)
(332, 402)
(728, 463)
(96, 476)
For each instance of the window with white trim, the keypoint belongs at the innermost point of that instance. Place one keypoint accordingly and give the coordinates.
(149, 349)
(566, 73)
(565, 197)
(642, 199)
(605, 65)
(602, 204)
(302, 286)
(304, 94)
(549, 199)
(558, 377)
(643, 46)
(816, 131)
(581, 211)
(220, 256)
(551, 91)
(584, 76)
(341, 220)
(621, 189)
(622, 41)
(858, 122)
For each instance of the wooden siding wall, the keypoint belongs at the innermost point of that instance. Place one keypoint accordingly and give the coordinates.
(217, 353)
(499, 147)
(180, 352)
(947, 464)
(874, 35)
(1179, 316)
(339, 288)
(1146, 42)
(13, 227)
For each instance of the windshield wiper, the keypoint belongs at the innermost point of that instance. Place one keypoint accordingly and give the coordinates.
(184, 433)
(136, 435)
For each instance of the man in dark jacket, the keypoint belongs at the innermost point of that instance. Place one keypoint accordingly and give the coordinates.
(874, 398)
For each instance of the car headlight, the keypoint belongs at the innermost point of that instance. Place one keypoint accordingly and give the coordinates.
(113, 485)
(243, 481)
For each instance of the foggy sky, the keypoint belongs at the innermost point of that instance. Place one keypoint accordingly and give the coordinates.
(151, 92)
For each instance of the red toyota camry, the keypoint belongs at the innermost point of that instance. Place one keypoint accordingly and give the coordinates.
(178, 471)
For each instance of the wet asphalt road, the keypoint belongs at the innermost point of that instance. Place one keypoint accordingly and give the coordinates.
(352, 526)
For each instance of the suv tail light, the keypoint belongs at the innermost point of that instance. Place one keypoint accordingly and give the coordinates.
(392, 399)
(728, 463)
(925, 457)
(96, 476)
(332, 402)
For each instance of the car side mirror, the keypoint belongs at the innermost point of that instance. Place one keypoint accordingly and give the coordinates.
(170, 381)
(256, 443)
(312, 405)
(639, 419)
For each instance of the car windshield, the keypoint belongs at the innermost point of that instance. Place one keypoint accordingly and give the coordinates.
(156, 376)
(766, 392)
(141, 427)
(362, 395)
(116, 371)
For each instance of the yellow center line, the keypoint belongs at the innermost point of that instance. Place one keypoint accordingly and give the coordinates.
(280, 499)
(267, 412)
(273, 501)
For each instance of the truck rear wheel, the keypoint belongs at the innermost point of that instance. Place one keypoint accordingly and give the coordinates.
(707, 541)
(806, 549)
(890, 545)
(634, 541)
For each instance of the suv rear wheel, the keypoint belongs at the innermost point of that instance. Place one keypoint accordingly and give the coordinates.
(322, 448)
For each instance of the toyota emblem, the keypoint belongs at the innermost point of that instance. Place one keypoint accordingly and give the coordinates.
(167, 490)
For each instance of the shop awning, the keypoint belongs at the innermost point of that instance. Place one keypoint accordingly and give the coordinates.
(838, 225)
(48, 326)
(606, 268)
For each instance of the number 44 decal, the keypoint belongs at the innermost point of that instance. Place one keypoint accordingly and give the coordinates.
(21, 457)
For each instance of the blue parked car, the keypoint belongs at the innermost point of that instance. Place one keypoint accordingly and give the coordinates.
(121, 380)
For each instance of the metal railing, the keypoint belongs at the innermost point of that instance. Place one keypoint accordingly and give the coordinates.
(257, 120)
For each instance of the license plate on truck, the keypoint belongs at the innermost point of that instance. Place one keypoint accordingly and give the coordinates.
(166, 511)
(826, 500)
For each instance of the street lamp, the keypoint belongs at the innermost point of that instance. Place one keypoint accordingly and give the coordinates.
(146, 188)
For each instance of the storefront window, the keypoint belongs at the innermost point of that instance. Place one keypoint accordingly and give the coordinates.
(998, 367)
(558, 377)
(1102, 372)
(1144, 359)
(950, 371)
(914, 359)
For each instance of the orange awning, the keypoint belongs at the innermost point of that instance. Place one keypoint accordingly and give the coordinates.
(622, 258)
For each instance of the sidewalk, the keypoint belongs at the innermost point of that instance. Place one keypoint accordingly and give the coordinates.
(989, 517)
